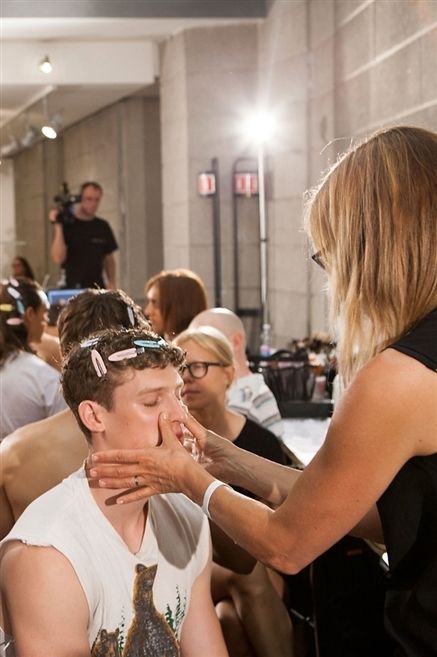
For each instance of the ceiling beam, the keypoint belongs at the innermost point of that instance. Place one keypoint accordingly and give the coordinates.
(134, 8)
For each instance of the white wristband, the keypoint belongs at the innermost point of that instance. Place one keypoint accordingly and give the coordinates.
(208, 493)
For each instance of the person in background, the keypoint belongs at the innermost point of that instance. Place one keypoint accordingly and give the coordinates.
(373, 224)
(29, 387)
(173, 298)
(20, 268)
(248, 393)
(47, 347)
(84, 245)
(38, 456)
(254, 619)
(79, 574)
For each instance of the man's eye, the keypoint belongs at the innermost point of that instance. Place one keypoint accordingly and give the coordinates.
(149, 404)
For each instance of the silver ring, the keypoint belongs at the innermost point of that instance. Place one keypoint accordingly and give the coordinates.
(136, 480)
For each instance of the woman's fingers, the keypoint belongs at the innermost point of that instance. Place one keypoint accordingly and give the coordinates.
(116, 456)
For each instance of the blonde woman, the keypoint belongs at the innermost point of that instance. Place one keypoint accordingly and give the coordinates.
(373, 224)
(254, 619)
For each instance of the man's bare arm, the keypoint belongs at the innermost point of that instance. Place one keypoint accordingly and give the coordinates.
(46, 609)
(6, 515)
(58, 249)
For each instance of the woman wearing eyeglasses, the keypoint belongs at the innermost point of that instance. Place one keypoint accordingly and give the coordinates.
(208, 374)
(373, 224)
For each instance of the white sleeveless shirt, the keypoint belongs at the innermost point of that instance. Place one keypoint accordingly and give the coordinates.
(137, 601)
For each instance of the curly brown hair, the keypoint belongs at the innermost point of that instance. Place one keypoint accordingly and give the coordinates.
(80, 380)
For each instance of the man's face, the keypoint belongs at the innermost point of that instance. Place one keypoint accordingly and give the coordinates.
(90, 201)
(137, 403)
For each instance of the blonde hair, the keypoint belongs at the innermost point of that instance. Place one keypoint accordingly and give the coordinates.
(374, 220)
(211, 339)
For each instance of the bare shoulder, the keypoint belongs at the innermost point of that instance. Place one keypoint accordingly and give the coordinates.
(44, 604)
(395, 397)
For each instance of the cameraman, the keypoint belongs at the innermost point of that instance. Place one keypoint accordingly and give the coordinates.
(84, 244)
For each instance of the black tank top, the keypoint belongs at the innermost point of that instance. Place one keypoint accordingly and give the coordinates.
(408, 510)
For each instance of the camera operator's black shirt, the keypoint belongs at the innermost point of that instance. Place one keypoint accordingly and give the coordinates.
(88, 242)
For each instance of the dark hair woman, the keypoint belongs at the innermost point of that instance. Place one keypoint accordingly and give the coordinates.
(30, 387)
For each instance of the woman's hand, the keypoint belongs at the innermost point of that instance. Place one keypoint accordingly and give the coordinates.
(162, 469)
(217, 455)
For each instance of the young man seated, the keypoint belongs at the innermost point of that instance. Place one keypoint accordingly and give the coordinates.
(80, 574)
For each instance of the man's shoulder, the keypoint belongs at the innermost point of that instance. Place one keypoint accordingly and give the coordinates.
(48, 514)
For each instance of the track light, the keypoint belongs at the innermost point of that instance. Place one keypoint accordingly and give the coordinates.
(51, 127)
(30, 133)
(11, 148)
(45, 65)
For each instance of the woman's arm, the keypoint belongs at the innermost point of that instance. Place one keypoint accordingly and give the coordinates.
(371, 435)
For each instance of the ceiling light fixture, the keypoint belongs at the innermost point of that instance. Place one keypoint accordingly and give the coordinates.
(30, 133)
(45, 65)
(11, 148)
(51, 128)
(52, 124)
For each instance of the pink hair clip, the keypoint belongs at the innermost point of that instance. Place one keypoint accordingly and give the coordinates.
(14, 321)
(122, 355)
(98, 363)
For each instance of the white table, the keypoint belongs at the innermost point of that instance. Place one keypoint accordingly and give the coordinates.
(304, 437)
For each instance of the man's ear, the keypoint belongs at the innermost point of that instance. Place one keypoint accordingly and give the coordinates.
(29, 313)
(237, 340)
(90, 413)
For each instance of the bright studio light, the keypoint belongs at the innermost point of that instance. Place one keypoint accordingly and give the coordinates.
(51, 128)
(260, 127)
(49, 132)
(45, 65)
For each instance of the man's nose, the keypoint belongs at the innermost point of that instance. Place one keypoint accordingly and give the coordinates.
(176, 409)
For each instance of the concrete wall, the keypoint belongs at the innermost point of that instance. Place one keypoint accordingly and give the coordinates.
(350, 66)
(208, 80)
(8, 245)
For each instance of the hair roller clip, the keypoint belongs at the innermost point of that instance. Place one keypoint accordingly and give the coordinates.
(6, 307)
(14, 321)
(89, 343)
(14, 293)
(130, 314)
(150, 344)
(20, 307)
(122, 355)
(14, 282)
(98, 363)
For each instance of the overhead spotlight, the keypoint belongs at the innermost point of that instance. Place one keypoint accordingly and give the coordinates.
(51, 128)
(45, 65)
(30, 135)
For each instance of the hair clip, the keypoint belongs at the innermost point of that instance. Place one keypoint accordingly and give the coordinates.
(14, 282)
(20, 307)
(151, 344)
(14, 321)
(6, 307)
(130, 314)
(123, 354)
(14, 293)
(89, 343)
(98, 363)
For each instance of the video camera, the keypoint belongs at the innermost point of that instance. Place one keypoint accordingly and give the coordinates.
(64, 203)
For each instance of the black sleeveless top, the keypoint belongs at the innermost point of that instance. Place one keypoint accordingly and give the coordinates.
(408, 510)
